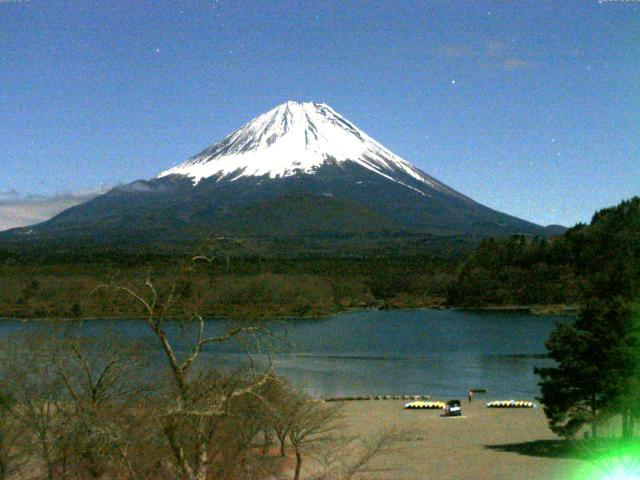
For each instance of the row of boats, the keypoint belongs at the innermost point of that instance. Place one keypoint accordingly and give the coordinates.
(419, 405)
(425, 405)
(511, 404)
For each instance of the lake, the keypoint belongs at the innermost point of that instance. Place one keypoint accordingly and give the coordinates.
(442, 353)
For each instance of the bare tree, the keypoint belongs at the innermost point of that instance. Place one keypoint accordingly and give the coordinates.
(28, 372)
(313, 424)
(280, 401)
(83, 409)
(9, 462)
(72, 402)
(197, 400)
(101, 383)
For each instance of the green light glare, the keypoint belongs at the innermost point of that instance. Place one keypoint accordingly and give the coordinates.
(615, 462)
(620, 474)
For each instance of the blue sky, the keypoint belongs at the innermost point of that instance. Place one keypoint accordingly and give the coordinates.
(530, 107)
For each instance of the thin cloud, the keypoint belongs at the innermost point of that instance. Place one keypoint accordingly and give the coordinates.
(454, 51)
(21, 211)
(515, 63)
(495, 49)
(9, 195)
(489, 54)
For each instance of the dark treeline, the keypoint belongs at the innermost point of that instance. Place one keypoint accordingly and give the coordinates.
(518, 271)
(238, 281)
(526, 271)
(223, 285)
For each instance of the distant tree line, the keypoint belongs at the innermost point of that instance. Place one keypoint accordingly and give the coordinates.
(227, 287)
(511, 271)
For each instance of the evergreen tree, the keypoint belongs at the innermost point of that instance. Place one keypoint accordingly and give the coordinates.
(596, 372)
(598, 358)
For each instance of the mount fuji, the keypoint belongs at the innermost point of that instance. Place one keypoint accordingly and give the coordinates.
(300, 170)
(298, 138)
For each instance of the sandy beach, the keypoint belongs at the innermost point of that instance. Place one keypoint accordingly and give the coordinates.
(484, 443)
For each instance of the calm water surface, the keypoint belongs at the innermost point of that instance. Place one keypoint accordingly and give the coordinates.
(437, 352)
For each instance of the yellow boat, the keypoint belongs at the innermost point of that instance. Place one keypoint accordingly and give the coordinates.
(511, 404)
(424, 405)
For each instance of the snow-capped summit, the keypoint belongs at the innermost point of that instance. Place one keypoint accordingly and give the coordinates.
(297, 138)
(300, 172)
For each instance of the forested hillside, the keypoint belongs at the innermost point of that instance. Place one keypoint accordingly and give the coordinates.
(517, 271)
(235, 281)
(525, 271)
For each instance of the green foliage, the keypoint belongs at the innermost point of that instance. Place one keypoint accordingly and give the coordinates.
(516, 271)
(6, 402)
(598, 358)
(608, 251)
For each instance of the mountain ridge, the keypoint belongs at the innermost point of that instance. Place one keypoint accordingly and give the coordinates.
(300, 162)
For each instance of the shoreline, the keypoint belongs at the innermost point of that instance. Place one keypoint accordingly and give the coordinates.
(568, 310)
(538, 310)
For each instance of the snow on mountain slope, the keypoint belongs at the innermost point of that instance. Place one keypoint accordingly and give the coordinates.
(296, 138)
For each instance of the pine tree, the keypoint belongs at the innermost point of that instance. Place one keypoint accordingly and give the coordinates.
(598, 357)
(596, 372)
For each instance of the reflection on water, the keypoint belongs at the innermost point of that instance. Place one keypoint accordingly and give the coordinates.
(441, 353)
